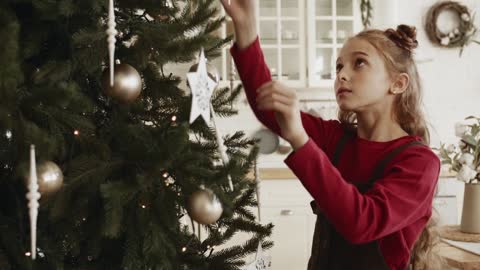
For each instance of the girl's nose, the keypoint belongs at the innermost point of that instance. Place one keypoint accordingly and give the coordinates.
(342, 76)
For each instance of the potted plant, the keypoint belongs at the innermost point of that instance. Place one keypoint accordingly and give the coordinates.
(464, 159)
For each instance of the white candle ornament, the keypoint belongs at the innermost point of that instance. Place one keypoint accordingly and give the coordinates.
(257, 184)
(261, 262)
(33, 196)
(111, 32)
(221, 146)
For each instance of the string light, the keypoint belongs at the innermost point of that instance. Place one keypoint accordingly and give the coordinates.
(28, 254)
(165, 174)
(174, 118)
(184, 249)
(84, 219)
(168, 180)
(144, 206)
(76, 132)
(40, 253)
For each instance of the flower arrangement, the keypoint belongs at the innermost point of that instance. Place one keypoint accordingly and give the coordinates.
(465, 157)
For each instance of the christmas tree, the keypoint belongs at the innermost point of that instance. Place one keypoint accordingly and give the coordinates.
(130, 165)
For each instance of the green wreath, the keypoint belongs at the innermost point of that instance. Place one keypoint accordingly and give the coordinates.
(366, 10)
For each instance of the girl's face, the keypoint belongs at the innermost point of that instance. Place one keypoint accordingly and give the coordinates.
(362, 78)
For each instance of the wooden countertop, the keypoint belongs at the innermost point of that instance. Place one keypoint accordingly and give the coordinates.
(286, 173)
(458, 258)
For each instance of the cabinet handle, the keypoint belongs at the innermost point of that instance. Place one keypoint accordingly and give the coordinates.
(440, 203)
(286, 212)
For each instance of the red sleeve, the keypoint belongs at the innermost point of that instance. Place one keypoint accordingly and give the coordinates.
(254, 72)
(403, 196)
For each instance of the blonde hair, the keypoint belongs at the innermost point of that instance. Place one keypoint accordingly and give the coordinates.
(396, 49)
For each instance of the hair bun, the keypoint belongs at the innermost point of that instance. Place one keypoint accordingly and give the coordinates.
(405, 37)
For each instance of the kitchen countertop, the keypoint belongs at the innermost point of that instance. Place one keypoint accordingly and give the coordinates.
(287, 174)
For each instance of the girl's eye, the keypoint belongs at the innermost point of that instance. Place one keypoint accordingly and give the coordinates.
(339, 67)
(360, 62)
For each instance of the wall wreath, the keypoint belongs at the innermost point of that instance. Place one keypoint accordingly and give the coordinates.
(366, 10)
(462, 30)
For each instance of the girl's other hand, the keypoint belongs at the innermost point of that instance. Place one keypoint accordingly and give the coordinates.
(284, 102)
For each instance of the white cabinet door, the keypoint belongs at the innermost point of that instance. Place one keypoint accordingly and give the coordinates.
(330, 23)
(285, 203)
(281, 29)
(445, 210)
(291, 236)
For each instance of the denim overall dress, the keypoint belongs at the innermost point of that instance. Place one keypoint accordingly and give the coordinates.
(330, 251)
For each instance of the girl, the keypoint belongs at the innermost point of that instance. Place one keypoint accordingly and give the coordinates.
(371, 174)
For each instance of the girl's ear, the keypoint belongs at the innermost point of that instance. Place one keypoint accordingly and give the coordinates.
(400, 83)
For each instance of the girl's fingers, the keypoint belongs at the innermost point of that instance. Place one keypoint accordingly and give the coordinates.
(272, 93)
(228, 6)
(272, 87)
(265, 86)
(275, 97)
(276, 106)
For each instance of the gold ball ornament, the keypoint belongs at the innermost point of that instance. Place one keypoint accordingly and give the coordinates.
(127, 83)
(204, 207)
(49, 177)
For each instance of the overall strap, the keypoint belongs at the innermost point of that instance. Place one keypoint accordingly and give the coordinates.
(336, 156)
(378, 171)
(339, 148)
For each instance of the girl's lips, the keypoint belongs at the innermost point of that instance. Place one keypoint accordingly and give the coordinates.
(343, 91)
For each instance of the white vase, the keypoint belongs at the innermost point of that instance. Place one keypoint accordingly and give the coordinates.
(471, 209)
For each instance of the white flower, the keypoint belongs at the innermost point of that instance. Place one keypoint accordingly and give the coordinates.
(465, 17)
(450, 149)
(470, 31)
(461, 144)
(445, 41)
(456, 31)
(466, 159)
(466, 174)
(460, 129)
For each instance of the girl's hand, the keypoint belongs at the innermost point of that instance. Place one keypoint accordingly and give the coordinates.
(284, 102)
(242, 13)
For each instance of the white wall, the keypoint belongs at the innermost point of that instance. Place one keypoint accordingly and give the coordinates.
(451, 84)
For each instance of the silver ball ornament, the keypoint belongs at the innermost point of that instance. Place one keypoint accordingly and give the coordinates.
(204, 207)
(49, 177)
(127, 83)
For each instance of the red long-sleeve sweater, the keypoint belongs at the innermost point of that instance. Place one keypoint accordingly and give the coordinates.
(394, 211)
